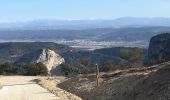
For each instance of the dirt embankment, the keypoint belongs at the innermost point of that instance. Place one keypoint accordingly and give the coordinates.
(152, 83)
(51, 84)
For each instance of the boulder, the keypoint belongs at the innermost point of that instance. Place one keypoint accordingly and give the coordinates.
(48, 57)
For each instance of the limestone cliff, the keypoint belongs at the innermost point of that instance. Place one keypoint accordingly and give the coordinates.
(159, 49)
(50, 59)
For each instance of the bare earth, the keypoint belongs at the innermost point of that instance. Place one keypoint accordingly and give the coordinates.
(23, 88)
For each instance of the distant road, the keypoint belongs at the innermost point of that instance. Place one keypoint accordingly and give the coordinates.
(23, 88)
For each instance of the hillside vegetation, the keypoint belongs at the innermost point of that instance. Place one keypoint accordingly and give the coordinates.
(76, 61)
(127, 83)
(149, 83)
(31, 69)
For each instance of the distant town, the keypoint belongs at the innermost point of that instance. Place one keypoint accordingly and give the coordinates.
(92, 45)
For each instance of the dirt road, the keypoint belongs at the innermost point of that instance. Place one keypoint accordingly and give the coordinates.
(23, 88)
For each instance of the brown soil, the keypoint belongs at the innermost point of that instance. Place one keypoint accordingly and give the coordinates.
(51, 84)
(151, 83)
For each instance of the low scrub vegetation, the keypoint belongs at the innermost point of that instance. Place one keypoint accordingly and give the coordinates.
(109, 66)
(23, 69)
(5, 68)
(132, 55)
(70, 69)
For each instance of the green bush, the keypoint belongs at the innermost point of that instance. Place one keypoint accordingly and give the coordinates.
(132, 55)
(110, 66)
(32, 69)
(67, 68)
(107, 66)
(85, 61)
(5, 68)
(86, 70)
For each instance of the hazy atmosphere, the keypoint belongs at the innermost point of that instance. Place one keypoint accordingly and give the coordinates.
(84, 49)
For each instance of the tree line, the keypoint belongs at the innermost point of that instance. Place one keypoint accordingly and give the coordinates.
(23, 69)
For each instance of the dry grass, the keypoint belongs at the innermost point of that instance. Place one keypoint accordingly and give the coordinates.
(51, 84)
(147, 83)
(130, 84)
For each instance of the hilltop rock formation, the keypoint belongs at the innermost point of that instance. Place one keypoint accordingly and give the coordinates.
(159, 49)
(18, 52)
(50, 59)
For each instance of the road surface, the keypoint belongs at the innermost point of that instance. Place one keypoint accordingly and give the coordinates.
(23, 88)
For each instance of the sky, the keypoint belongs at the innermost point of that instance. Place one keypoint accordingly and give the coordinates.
(24, 10)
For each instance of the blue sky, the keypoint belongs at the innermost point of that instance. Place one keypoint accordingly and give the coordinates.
(23, 10)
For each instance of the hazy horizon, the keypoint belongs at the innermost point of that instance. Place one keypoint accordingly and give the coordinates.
(45, 19)
(22, 10)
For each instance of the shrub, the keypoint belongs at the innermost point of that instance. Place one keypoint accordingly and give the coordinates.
(32, 69)
(133, 55)
(5, 68)
(86, 70)
(67, 68)
(110, 66)
(85, 62)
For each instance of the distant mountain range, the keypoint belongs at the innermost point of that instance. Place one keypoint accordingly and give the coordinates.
(126, 34)
(134, 31)
(85, 24)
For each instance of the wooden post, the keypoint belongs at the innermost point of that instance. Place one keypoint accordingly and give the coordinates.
(97, 75)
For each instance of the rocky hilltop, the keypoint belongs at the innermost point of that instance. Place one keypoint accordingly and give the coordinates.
(159, 49)
(50, 59)
(18, 52)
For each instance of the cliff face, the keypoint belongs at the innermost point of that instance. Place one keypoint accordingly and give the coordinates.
(50, 59)
(159, 49)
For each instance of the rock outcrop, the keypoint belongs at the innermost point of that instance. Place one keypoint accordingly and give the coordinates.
(159, 49)
(50, 59)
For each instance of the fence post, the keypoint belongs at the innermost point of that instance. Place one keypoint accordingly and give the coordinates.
(97, 75)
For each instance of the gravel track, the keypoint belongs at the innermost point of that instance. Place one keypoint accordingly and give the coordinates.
(23, 88)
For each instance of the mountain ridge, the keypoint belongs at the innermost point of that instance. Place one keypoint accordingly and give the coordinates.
(84, 24)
